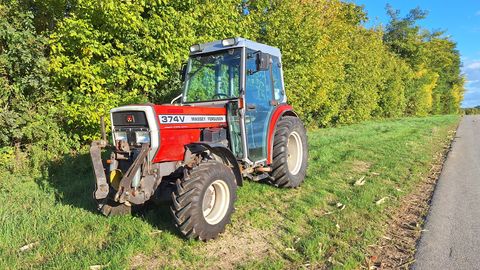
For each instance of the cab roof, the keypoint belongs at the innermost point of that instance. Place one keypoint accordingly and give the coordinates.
(241, 42)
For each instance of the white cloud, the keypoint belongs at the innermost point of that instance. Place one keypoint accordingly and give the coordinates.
(471, 97)
(471, 70)
(473, 90)
(474, 65)
(470, 82)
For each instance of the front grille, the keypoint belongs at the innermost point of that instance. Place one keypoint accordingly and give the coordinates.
(129, 119)
(130, 122)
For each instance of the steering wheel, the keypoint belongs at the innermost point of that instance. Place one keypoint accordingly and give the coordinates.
(220, 95)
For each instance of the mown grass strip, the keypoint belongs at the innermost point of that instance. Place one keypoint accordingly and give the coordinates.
(328, 222)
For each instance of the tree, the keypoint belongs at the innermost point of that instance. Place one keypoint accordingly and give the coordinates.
(27, 108)
(444, 59)
(403, 36)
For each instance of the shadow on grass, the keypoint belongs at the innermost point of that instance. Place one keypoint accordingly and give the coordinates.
(73, 183)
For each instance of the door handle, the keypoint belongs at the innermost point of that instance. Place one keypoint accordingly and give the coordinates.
(251, 107)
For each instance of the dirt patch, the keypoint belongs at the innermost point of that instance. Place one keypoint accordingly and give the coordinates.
(396, 249)
(360, 166)
(239, 245)
(141, 261)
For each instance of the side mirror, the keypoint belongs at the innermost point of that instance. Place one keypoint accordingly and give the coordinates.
(183, 72)
(262, 61)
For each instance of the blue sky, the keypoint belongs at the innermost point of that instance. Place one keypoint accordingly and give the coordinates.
(461, 20)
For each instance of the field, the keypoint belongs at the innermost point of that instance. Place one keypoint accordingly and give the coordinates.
(48, 219)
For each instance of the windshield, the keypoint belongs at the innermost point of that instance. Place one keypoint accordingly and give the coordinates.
(213, 76)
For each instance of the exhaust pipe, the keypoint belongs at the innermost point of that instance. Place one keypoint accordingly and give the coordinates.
(102, 127)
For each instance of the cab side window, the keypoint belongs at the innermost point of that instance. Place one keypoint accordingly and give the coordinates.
(258, 83)
(278, 90)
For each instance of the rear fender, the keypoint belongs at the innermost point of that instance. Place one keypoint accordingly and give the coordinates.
(280, 111)
(219, 150)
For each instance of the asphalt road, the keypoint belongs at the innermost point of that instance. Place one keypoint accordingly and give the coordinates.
(452, 236)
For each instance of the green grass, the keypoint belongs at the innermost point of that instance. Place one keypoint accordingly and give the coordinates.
(272, 228)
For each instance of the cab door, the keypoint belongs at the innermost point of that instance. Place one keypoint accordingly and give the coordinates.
(258, 107)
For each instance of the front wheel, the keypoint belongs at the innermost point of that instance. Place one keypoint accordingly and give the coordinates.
(204, 200)
(290, 153)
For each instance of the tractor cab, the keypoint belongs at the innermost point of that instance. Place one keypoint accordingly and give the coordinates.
(246, 78)
(231, 122)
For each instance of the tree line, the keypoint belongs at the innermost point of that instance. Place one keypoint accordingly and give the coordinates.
(471, 111)
(66, 63)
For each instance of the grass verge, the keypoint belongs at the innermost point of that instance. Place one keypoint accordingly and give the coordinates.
(357, 175)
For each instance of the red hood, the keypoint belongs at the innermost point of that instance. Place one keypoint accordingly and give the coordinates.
(181, 125)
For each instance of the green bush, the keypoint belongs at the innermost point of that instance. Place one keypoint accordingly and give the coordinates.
(29, 109)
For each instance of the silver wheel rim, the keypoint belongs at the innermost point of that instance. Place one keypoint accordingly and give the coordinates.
(294, 153)
(215, 202)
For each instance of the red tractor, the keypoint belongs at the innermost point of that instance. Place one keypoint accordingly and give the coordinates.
(231, 122)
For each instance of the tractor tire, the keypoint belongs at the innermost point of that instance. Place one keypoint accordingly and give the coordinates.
(290, 154)
(203, 201)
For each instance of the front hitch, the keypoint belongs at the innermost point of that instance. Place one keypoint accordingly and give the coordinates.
(102, 189)
(125, 192)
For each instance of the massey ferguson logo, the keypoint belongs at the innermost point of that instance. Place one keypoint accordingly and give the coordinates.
(129, 118)
(191, 119)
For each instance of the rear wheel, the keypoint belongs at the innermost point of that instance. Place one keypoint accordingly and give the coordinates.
(289, 164)
(204, 200)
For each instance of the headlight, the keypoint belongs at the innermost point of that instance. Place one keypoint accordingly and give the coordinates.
(229, 42)
(142, 136)
(195, 48)
(120, 136)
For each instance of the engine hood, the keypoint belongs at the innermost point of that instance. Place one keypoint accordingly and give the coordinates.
(172, 127)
